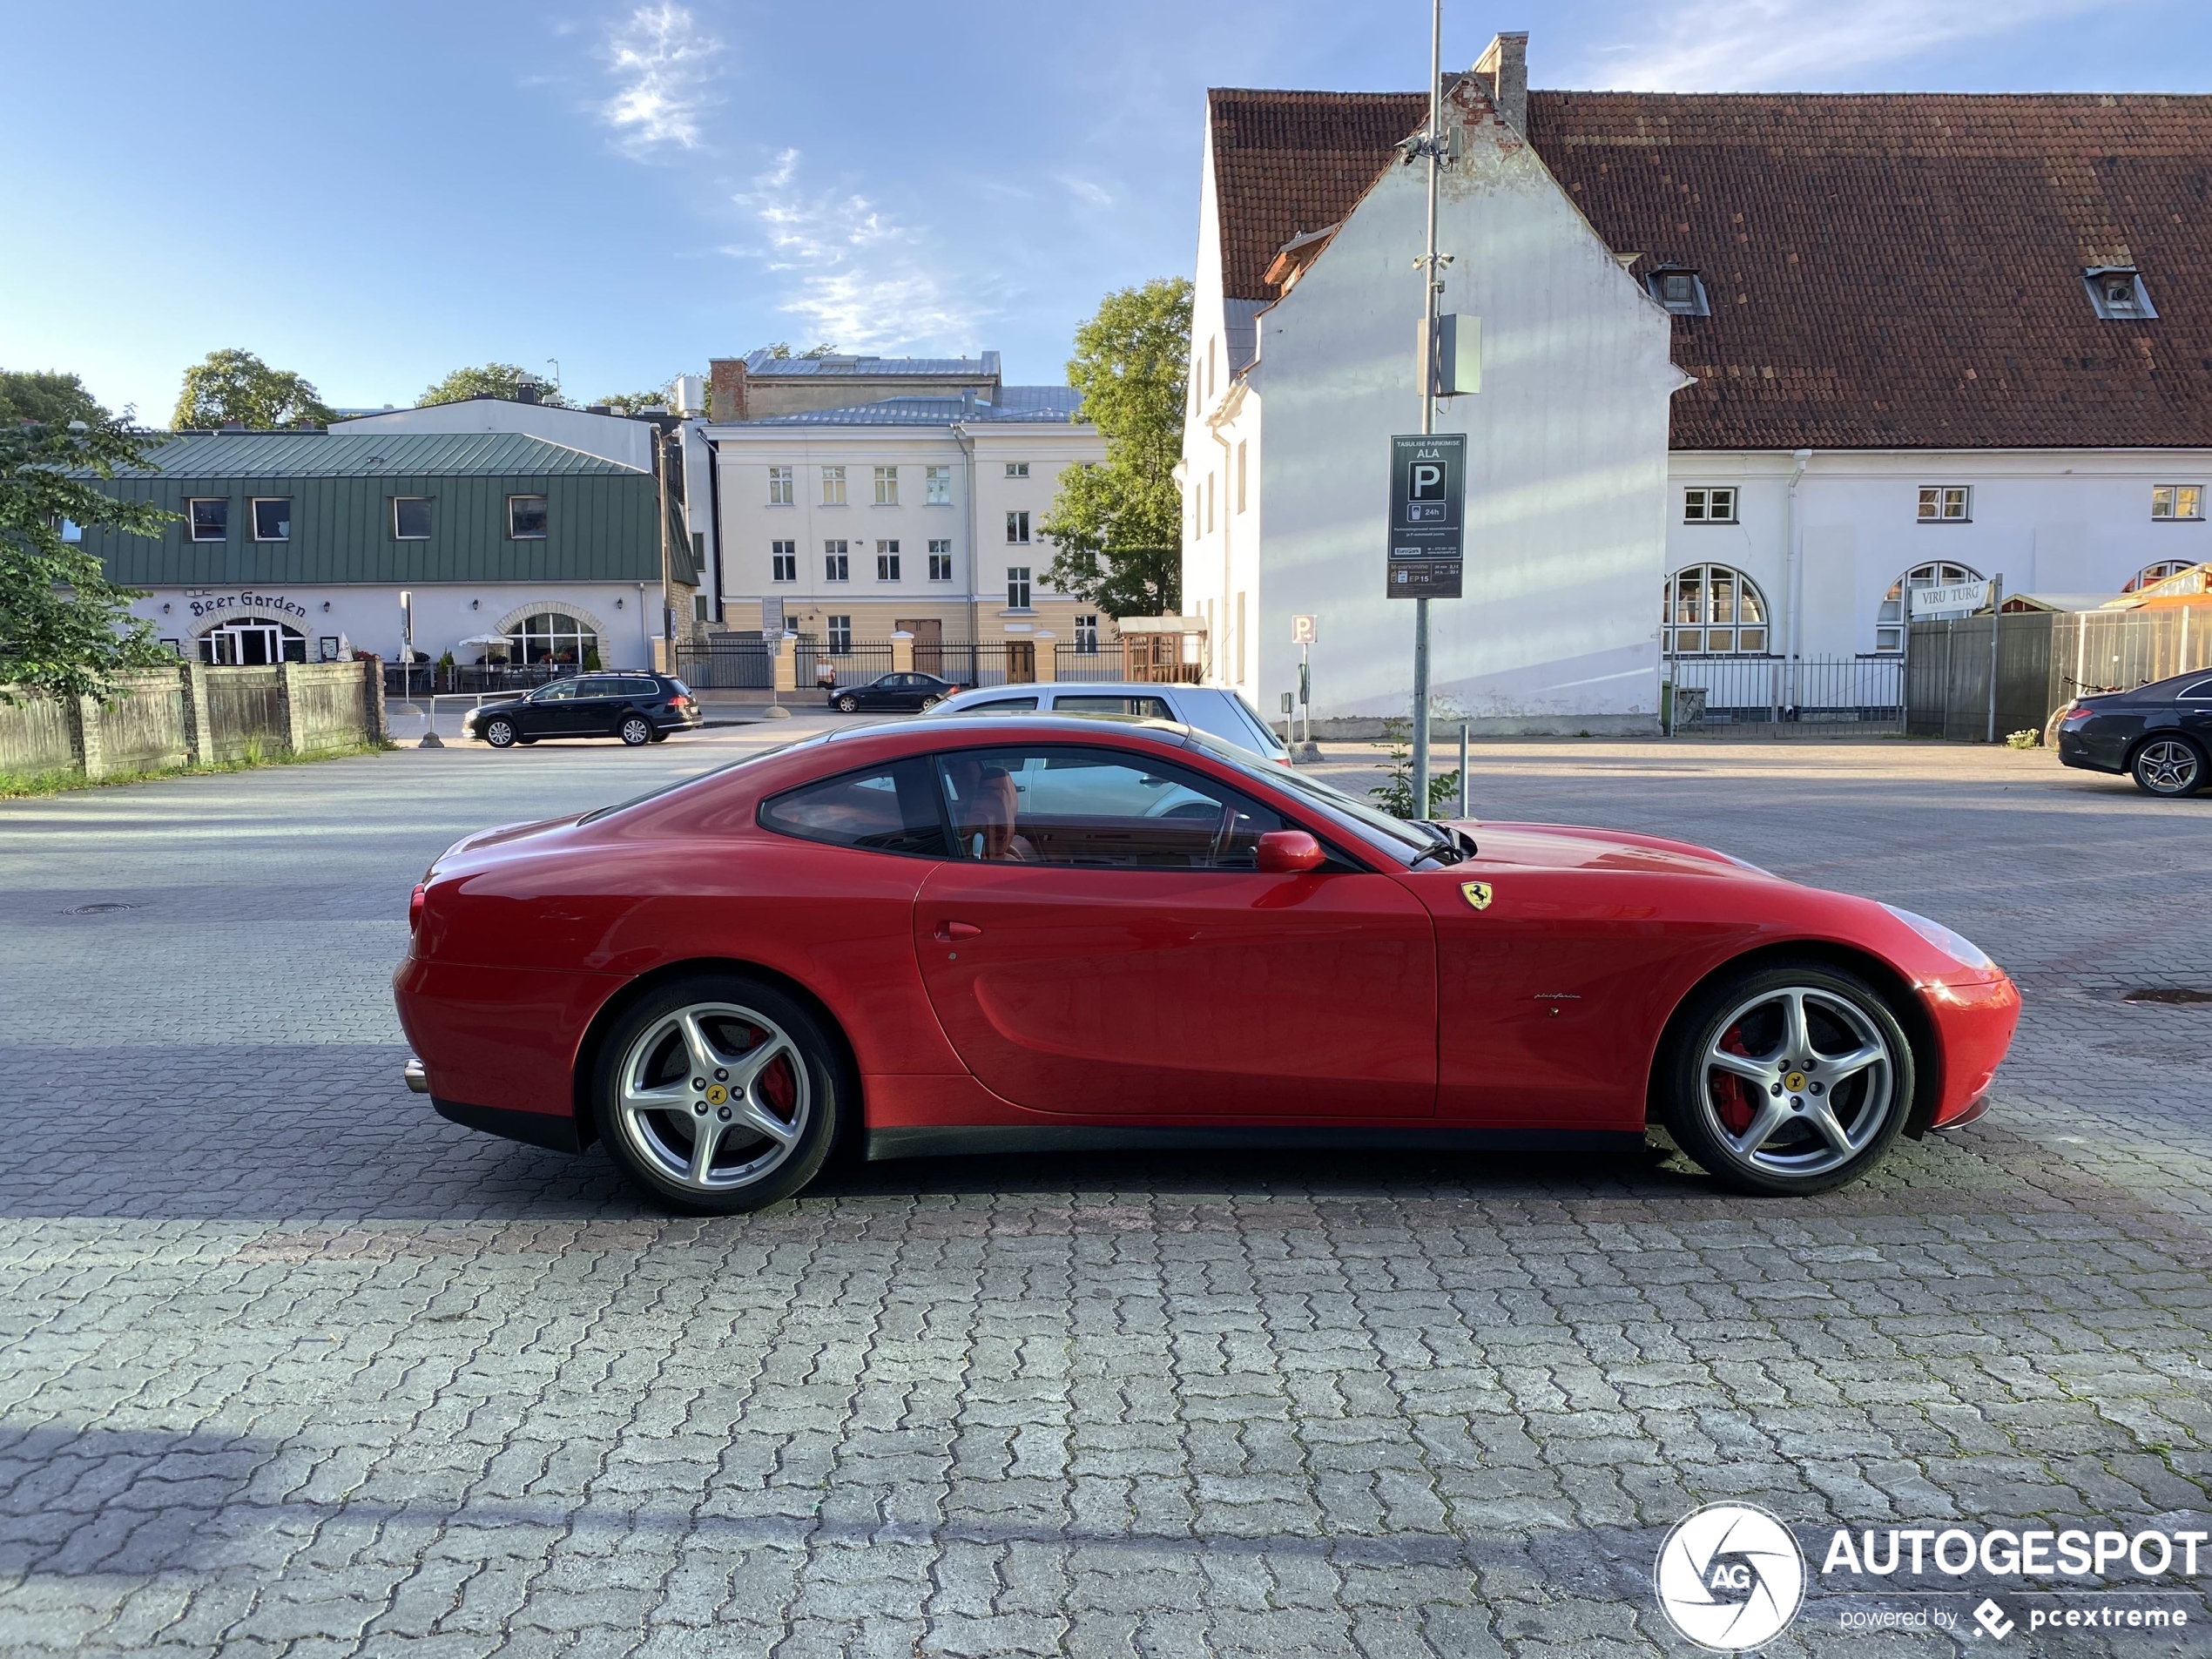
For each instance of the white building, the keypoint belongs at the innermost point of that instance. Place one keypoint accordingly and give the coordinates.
(1921, 338)
(918, 512)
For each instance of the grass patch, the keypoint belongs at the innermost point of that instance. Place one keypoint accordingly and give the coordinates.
(20, 785)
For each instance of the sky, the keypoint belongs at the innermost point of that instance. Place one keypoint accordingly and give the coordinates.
(609, 194)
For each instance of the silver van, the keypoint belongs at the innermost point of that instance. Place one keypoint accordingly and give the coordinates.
(1212, 709)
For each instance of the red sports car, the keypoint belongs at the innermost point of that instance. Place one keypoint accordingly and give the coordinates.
(991, 932)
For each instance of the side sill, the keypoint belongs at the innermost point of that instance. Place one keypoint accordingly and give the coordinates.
(941, 1142)
(546, 1130)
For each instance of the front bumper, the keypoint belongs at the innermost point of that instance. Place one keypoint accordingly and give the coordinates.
(1974, 1020)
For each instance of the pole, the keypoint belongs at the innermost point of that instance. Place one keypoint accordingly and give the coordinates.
(1996, 620)
(1464, 813)
(1428, 392)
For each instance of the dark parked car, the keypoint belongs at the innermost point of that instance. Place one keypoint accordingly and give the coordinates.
(636, 707)
(2159, 734)
(892, 691)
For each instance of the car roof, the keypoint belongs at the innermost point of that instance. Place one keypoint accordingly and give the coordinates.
(2164, 690)
(1085, 688)
(939, 727)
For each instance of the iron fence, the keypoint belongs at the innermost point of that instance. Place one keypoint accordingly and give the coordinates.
(1865, 692)
(821, 663)
(1072, 663)
(727, 665)
(429, 680)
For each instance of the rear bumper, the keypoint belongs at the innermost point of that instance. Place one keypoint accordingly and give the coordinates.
(536, 1129)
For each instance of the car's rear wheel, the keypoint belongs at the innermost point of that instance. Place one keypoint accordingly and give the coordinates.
(2168, 766)
(499, 732)
(718, 1094)
(1786, 1079)
(930, 702)
(848, 704)
(637, 731)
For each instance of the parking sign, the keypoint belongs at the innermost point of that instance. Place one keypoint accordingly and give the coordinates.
(1427, 509)
(1302, 630)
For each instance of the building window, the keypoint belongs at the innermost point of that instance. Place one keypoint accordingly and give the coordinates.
(1018, 470)
(210, 520)
(783, 561)
(2118, 294)
(272, 518)
(832, 486)
(2155, 572)
(526, 518)
(411, 518)
(841, 636)
(941, 561)
(1681, 292)
(887, 486)
(1711, 610)
(1708, 506)
(937, 487)
(1017, 527)
(779, 486)
(554, 637)
(1018, 587)
(1890, 620)
(1087, 634)
(836, 567)
(1209, 504)
(1946, 503)
(1240, 475)
(2177, 502)
(887, 561)
(71, 531)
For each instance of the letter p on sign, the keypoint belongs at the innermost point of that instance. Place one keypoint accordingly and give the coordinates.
(1428, 481)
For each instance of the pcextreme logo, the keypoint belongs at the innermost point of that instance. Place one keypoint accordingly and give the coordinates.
(1731, 1577)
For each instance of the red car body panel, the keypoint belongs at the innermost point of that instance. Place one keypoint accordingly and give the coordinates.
(999, 995)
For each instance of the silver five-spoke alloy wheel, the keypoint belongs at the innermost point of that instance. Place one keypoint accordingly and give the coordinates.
(1798, 1080)
(2169, 766)
(712, 1096)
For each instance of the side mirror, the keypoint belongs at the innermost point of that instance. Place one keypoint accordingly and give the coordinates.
(1288, 852)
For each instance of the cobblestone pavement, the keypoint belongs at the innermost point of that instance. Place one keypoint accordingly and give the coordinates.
(289, 1366)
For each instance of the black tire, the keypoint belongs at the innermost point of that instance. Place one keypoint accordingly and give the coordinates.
(816, 1095)
(500, 732)
(659, 736)
(930, 702)
(635, 730)
(848, 704)
(2169, 766)
(1745, 1014)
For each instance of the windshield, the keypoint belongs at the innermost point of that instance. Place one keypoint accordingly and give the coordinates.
(1378, 829)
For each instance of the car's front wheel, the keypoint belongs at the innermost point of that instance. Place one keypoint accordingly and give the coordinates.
(637, 731)
(499, 732)
(848, 704)
(2170, 767)
(718, 1094)
(1786, 1079)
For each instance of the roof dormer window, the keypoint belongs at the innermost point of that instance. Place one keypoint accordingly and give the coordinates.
(1679, 291)
(2118, 294)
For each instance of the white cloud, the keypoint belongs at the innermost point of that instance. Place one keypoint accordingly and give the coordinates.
(1085, 190)
(859, 277)
(663, 62)
(1737, 45)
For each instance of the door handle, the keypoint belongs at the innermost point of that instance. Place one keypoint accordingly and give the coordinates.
(948, 931)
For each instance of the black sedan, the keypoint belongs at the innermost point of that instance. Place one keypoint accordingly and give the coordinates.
(908, 692)
(636, 707)
(2159, 734)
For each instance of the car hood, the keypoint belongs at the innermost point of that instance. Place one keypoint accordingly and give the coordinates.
(1570, 847)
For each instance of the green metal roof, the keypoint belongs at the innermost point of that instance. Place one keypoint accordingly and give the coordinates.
(368, 455)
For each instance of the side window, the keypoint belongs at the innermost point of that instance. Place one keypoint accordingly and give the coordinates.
(2200, 691)
(1144, 708)
(558, 691)
(600, 685)
(1097, 807)
(894, 809)
(1003, 705)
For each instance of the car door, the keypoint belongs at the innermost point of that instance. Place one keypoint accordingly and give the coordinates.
(598, 706)
(549, 711)
(1103, 945)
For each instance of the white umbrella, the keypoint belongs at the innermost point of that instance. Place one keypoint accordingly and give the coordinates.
(485, 639)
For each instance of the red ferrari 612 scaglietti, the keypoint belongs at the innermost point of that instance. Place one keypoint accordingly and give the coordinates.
(968, 934)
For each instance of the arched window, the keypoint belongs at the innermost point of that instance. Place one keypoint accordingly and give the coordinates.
(554, 637)
(1711, 609)
(1889, 622)
(252, 643)
(2157, 572)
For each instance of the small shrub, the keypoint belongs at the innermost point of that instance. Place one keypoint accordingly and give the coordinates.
(2027, 738)
(1395, 794)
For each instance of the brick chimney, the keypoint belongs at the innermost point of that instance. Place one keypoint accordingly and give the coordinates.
(726, 388)
(1503, 70)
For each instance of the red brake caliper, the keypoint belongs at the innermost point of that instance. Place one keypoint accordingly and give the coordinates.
(1732, 1095)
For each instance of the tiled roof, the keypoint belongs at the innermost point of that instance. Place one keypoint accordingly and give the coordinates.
(1885, 271)
(1029, 405)
(365, 455)
(765, 363)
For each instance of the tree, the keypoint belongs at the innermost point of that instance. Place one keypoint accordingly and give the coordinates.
(64, 629)
(493, 379)
(236, 387)
(51, 397)
(1117, 526)
(782, 349)
(632, 402)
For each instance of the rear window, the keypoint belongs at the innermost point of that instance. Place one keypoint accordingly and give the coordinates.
(889, 809)
(2200, 691)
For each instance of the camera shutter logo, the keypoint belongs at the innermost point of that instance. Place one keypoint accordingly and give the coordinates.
(1731, 1577)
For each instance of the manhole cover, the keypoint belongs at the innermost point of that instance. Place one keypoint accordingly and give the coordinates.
(102, 909)
(2168, 994)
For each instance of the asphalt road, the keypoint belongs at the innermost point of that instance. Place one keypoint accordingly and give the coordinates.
(289, 1366)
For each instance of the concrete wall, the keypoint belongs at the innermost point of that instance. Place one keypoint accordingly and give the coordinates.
(194, 715)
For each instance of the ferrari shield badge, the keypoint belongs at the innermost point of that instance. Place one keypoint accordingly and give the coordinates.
(1476, 893)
